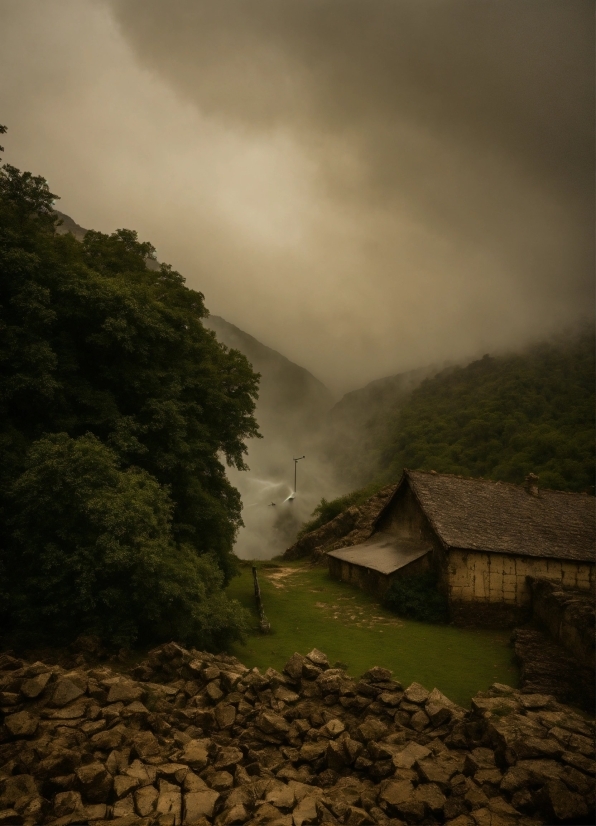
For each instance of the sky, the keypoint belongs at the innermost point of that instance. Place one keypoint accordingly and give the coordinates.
(367, 186)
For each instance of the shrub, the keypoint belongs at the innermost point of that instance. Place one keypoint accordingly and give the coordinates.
(328, 510)
(417, 597)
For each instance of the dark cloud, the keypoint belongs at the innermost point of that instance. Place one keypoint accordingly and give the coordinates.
(365, 185)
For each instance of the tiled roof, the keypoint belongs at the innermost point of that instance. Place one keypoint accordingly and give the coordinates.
(475, 514)
(382, 552)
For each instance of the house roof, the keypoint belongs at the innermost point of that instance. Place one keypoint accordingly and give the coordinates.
(476, 514)
(382, 552)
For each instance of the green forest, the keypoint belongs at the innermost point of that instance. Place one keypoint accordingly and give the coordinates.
(118, 410)
(504, 417)
(498, 418)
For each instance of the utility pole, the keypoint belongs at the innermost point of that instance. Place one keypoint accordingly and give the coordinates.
(295, 469)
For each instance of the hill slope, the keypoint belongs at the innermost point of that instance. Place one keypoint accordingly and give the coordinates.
(505, 417)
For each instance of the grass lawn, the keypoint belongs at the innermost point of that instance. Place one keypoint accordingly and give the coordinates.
(307, 609)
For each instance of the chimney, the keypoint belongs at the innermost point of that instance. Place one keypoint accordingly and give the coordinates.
(531, 484)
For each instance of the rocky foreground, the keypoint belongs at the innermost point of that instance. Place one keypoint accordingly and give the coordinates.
(191, 738)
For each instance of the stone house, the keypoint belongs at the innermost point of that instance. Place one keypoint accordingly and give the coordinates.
(482, 538)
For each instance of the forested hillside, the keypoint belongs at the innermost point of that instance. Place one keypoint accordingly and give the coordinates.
(505, 417)
(116, 404)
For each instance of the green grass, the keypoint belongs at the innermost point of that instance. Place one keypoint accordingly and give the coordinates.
(307, 609)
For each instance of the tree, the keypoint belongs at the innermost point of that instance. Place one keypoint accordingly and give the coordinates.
(96, 552)
(92, 341)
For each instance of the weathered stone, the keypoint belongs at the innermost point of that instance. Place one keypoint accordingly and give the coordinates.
(285, 695)
(318, 658)
(125, 691)
(313, 750)
(237, 814)
(431, 796)
(293, 667)
(108, 740)
(169, 801)
(21, 724)
(227, 758)
(305, 811)
(372, 729)
(221, 781)
(416, 693)
(146, 775)
(124, 808)
(123, 784)
(65, 803)
(409, 755)
(271, 723)
(65, 692)
(198, 805)
(377, 675)
(145, 745)
(146, 800)
(18, 787)
(95, 782)
(195, 754)
(419, 720)
(214, 692)
(33, 687)
(281, 796)
(225, 715)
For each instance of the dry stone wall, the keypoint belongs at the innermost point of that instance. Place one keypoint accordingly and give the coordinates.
(195, 739)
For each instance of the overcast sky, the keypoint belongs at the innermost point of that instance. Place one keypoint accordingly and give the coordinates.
(365, 185)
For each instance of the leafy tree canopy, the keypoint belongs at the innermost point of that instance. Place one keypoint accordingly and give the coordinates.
(112, 358)
(502, 418)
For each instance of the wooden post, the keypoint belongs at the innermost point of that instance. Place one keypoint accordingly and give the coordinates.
(264, 623)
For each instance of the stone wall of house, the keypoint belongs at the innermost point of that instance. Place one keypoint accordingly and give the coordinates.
(502, 578)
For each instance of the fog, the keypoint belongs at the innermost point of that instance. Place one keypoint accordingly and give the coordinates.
(366, 186)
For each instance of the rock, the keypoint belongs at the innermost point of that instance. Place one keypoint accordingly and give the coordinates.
(377, 675)
(318, 658)
(125, 807)
(123, 784)
(228, 758)
(333, 728)
(293, 667)
(225, 715)
(271, 723)
(416, 693)
(237, 814)
(21, 724)
(195, 754)
(33, 687)
(432, 798)
(65, 803)
(145, 800)
(199, 804)
(419, 720)
(305, 811)
(66, 691)
(409, 755)
(395, 792)
(214, 692)
(95, 782)
(372, 729)
(281, 796)
(145, 745)
(169, 801)
(18, 787)
(125, 691)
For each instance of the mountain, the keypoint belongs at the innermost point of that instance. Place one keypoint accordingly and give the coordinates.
(504, 417)
(360, 424)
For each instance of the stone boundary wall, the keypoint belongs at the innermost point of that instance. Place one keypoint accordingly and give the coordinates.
(187, 738)
(568, 615)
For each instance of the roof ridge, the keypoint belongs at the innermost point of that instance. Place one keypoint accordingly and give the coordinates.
(436, 473)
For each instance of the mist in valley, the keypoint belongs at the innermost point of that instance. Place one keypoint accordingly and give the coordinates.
(363, 191)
